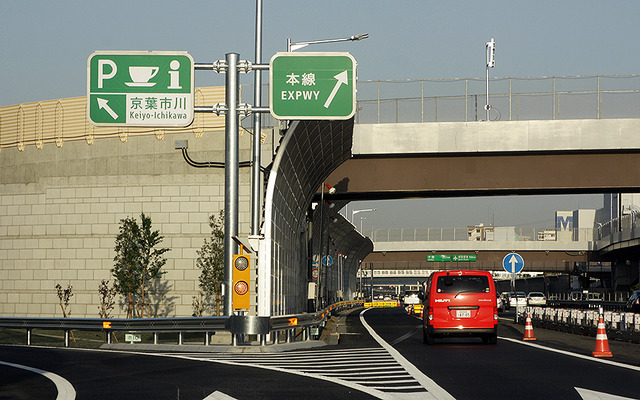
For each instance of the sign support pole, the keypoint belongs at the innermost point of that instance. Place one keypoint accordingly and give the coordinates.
(257, 129)
(231, 172)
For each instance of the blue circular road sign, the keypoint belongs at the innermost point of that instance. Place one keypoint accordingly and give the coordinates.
(327, 261)
(513, 262)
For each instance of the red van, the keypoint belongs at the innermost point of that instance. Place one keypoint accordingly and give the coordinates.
(460, 303)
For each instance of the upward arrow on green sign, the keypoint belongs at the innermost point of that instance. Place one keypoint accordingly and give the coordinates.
(312, 86)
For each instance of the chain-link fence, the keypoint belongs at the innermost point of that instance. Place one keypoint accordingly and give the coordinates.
(511, 99)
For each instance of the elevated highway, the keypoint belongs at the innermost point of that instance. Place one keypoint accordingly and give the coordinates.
(448, 159)
(464, 159)
(540, 256)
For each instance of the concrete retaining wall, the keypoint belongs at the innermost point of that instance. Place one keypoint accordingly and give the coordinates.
(60, 211)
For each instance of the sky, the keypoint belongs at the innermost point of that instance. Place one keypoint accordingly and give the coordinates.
(44, 47)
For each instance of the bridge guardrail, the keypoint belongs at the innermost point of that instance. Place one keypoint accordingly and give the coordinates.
(591, 304)
(237, 325)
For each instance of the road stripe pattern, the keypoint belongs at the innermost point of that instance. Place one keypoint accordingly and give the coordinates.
(371, 370)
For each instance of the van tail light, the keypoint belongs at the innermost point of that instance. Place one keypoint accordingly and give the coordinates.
(495, 313)
(429, 313)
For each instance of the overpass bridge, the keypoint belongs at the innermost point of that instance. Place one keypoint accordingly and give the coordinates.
(454, 159)
(465, 159)
(415, 252)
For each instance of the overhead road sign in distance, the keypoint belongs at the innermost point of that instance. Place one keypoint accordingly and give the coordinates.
(140, 88)
(464, 257)
(513, 263)
(312, 86)
(438, 257)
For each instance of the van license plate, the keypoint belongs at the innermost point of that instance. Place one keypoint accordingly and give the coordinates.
(463, 313)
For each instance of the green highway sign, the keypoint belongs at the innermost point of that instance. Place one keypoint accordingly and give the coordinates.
(446, 257)
(312, 86)
(140, 88)
(464, 257)
(438, 257)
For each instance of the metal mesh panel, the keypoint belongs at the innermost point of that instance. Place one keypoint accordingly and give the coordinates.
(310, 151)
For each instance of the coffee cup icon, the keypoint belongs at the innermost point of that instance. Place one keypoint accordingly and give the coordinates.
(141, 75)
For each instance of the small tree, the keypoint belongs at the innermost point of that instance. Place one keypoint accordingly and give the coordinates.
(64, 295)
(107, 299)
(126, 269)
(152, 258)
(137, 261)
(211, 260)
(197, 305)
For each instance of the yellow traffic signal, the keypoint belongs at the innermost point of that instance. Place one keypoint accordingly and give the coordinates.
(241, 282)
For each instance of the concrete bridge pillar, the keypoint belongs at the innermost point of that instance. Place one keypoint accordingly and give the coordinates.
(625, 274)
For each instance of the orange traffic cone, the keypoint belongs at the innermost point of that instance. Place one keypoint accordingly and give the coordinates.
(602, 343)
(528, 329)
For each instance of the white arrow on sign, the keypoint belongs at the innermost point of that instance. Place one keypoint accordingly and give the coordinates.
(102, 103)
(593, 395)
(513, 261)
(342, 77)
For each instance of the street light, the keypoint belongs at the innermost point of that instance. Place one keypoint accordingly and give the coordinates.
(361, 219)
(491, 62)
(299, 45)
(354, 212)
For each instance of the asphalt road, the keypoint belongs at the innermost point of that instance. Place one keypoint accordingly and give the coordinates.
(469, 369)
(114, 375)
(359, 367)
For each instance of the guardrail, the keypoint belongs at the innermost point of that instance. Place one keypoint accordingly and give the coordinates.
(587, 304)
(620, 325)
(238, 325)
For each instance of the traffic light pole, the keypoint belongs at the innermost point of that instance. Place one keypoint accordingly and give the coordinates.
(232, 108)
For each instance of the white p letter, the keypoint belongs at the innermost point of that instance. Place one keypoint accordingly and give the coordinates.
(101, 75)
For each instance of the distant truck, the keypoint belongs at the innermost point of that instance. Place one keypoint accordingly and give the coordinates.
(411, 298)
(411, 301)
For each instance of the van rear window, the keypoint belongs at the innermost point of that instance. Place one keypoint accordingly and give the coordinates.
(462, 284)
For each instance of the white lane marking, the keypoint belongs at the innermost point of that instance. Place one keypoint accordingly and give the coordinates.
(593, 395)
(568, 353)
(435, 391)
(65, 389)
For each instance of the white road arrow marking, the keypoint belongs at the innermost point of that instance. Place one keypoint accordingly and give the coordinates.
(513, 261)
(342, 77)
(592, 395)
(218, 395)
(102, 103)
